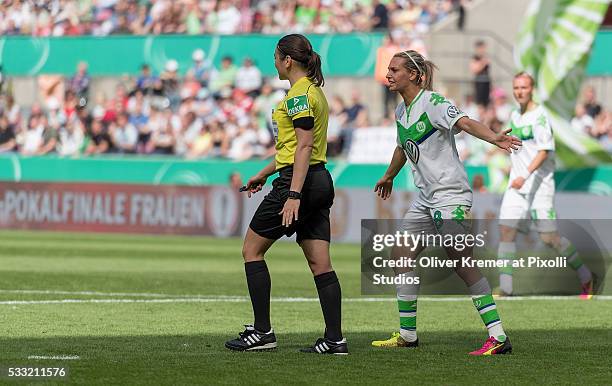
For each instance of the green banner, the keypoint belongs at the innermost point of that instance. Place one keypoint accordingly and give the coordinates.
(554, 46)
(342, 55)
(176, 171)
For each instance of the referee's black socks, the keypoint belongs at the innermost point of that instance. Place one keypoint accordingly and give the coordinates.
(330, 297)
(258, 280)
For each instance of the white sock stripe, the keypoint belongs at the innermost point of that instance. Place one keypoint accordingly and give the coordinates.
(487, 309)
(408, 314)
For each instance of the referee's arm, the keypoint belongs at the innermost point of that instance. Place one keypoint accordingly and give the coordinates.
(305, 137)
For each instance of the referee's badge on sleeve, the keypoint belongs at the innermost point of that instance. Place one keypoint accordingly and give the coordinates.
(297, 104)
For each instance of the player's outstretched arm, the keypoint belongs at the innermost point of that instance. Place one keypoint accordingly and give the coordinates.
(478, 130)
(384, 186)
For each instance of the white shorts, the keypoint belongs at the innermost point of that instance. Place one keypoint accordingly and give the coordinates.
(521, 210)
(452, 219)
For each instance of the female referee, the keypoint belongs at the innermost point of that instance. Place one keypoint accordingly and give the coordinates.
(299, 201)
(426, 124)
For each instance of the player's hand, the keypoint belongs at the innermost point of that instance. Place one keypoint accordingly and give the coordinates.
(255, 184)
(518, 183)
(507, 142)
(290, 211)
(384, 187)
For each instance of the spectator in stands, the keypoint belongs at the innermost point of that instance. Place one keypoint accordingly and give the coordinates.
(227, 18)
(8, 141)
(220, 140)
(264, 104)
(380, 16)
(170, 83)
(71, 139)
(13, 111)
(383, 57)
(357, 114)
(248, 78)
(480, 68)
(606, 125)
(305, 14)
(71, 103)
(502, 108)
(470, 108)
(244, 143)
(225, 77)
(32, 138)
(99, 139)
(56, 116)
(187, 132)
(603, 126)
(79, 83)
(582, 122)
(163, 139)
(101, 18)
(589, 100)
(202, 68)
(202, 145)
(336, 126)
(146, 81)
(124, 135)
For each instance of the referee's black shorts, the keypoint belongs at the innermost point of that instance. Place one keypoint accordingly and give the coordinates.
(313, 216)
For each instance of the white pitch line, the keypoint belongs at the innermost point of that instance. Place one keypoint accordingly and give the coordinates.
(96, 293)
(278, 300)
(56, 357)
(237, 298)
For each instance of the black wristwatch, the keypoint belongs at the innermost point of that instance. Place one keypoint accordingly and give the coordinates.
(295, 195)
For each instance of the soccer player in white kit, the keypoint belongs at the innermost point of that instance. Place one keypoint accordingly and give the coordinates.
(426, 124)
(531, 188)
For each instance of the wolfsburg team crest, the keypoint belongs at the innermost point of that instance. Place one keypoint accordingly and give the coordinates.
(412, 151)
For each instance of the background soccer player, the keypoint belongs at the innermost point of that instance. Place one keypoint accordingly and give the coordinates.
(426, 125)
(531, 187)
(299, 201)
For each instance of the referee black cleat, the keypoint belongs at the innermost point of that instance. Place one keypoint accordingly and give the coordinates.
(252, 340)
(326, 346)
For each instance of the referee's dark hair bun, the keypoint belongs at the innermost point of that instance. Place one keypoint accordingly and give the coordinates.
(299, 49)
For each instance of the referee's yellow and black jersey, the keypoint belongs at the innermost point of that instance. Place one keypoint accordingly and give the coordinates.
(303, 100)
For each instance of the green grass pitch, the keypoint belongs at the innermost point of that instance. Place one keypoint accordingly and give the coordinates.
(142, 322)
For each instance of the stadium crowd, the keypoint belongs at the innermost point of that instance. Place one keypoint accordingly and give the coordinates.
(225, 111)
(209, 112)
(213, 112)
(140, 17)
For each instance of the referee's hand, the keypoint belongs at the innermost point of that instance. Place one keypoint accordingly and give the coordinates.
(383, 188)
(255, 184)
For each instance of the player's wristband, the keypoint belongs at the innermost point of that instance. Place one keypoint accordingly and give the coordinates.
(295, 195)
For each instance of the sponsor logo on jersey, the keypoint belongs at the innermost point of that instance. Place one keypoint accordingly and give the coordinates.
(412, 151)
(297, 104)
(452, 111)
(437, 99)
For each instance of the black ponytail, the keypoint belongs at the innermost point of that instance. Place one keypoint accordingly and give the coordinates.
(300, 50)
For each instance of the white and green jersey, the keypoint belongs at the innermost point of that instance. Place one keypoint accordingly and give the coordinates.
(425, 132)
(533, 128)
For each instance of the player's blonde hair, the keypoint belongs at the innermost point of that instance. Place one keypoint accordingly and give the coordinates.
(424, 68)
(526, 75)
